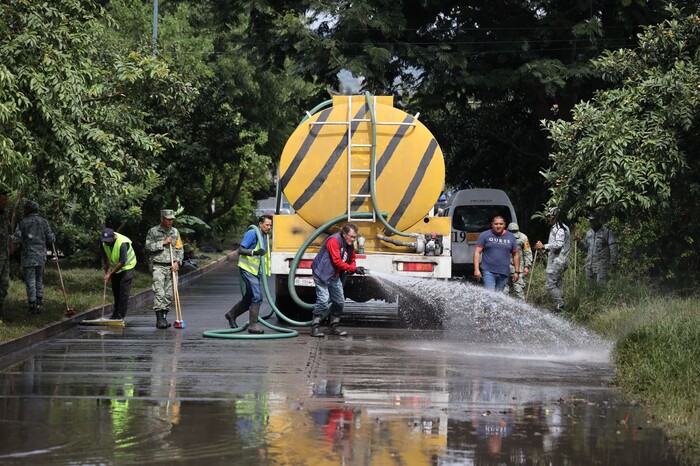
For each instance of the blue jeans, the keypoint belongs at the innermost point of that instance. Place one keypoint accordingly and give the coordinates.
(253, 293)
(333, 291)
(494, 281)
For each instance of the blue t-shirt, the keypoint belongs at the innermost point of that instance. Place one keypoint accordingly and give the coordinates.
(497, 250)
(250, 239)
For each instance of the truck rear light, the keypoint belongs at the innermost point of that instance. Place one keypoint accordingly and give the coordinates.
(415, 266)
(303, 264)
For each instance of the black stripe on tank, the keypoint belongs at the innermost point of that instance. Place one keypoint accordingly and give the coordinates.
(414, 184)
(383, 161)
(322, 176)
(303, 149)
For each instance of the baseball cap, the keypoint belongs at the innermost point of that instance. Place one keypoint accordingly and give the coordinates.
(512, 226)
(167, 213)
(107, 235)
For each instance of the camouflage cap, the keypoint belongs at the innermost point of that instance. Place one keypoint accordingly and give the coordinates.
(167, 213)
(553, 212)
(513, 227)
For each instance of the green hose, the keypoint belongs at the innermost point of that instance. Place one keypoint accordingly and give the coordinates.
(232, 333)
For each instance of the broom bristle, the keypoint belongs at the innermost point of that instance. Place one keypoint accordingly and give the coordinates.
(104, 322)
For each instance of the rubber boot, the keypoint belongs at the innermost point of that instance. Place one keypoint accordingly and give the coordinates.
(161, 321)
(315, 328)
(334, 328)
(32, 307)
(253, 324)
(235, 311)
(39, 304)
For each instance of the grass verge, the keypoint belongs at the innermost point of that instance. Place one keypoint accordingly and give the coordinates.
(84, 290)
(657, 349)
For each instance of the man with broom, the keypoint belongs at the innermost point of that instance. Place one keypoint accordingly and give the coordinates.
(118, 262)
(164, 247)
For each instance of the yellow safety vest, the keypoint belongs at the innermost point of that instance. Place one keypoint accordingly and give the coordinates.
(113, 253)
(252, 263)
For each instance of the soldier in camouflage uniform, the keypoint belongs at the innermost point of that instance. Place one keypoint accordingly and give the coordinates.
(158, 243)
(557, 247)
(5, 252)
(34, 235)
(523, 242)
(601, 246)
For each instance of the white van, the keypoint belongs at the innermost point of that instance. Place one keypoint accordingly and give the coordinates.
(472, 211)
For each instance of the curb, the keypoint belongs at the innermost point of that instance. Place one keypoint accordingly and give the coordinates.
(55, 328)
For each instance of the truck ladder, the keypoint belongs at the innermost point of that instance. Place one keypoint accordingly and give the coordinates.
(353, 171)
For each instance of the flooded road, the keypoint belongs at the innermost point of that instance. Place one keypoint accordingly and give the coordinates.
(381, 396)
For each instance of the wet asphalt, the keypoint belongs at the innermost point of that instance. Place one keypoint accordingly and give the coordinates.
(384, 395)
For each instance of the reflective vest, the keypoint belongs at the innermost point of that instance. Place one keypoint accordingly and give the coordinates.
(113, 253)
(251, 264)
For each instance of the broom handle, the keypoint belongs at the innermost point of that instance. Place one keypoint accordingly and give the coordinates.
(104, 299)
(176, 296)
(60, 277)
(529, 282)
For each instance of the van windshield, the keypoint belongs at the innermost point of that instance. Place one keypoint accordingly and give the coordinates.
(477, 218)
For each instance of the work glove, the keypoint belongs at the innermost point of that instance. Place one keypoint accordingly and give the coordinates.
(359, 270)
(259, 252)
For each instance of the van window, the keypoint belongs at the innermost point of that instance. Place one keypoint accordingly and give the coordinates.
(477, 218)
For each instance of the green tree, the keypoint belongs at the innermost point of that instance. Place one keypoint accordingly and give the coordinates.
(74, 112)
(631, 151)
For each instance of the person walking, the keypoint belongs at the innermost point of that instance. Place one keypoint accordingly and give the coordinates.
(337, 255)
(118, 262)
(601, 246)
(249, 266)
(164, 247)
(525, 251)
(33, 234)
(5, 251)
(497, 246)
(557, 248)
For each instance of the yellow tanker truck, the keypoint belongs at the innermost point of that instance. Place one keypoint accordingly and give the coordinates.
(359, 159)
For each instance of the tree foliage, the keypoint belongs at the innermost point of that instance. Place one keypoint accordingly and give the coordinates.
(74, 127)
(631, 151)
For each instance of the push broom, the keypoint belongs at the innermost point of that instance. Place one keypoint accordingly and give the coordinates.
(102, 320)
(179, 322)
(68, 312)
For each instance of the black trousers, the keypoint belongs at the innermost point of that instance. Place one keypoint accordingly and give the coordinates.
(121, 287)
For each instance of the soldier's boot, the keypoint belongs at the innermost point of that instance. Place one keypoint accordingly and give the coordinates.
(335, 321)
(235, 311)
(316, 328)
(253, 324)
(39, 304)
(32, 307)
(161, 321)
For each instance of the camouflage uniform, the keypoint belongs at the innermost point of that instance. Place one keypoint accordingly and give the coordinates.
(523, 242)
(602, 252)
(33, 234)
(4, 257)
(159, 257)
(558, 247)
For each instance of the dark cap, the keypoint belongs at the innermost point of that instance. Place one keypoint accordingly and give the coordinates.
(33, 205)
(107, 235)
